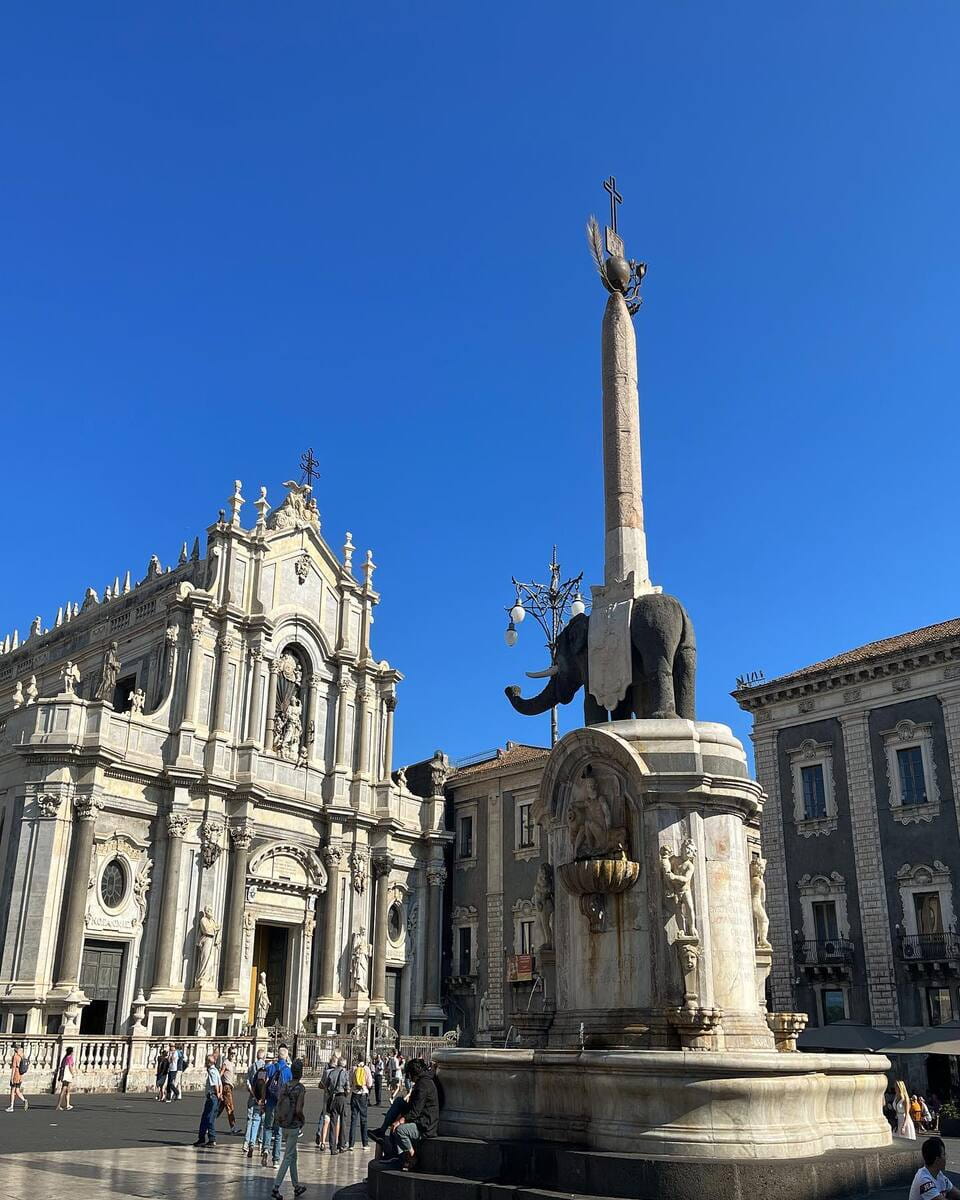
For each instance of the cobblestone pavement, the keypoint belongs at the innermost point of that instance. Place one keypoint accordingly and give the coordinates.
(129, 1145)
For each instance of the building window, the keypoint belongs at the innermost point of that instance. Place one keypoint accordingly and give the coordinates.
(927, 909)
(911, 772)
(814, 803)
(121, 693)
(158, 1027)
(814, 793)
(913, 788)
(526, 824)
(465, 950)
(223, 1026)
(834, 1008)
(526, 937)
(395, 922)
(113, 884)
(18, 1024)
(53, 1023)
(825, 921)
(939, 1005)
(466, 837)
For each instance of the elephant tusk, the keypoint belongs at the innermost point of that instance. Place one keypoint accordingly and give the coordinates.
(542, 674)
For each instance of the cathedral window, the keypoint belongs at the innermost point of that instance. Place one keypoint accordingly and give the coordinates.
(113, 884)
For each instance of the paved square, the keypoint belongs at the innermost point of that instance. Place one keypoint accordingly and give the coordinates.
(129, 1145)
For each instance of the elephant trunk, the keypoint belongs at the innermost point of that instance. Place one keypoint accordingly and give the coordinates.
(535, 705)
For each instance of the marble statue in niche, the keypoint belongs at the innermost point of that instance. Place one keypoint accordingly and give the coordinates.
(543, 906)
(678, 872)
(758, 897)
(288, 717)
(263, 1000)
(208, 935)
(590, 817)
(109, 673)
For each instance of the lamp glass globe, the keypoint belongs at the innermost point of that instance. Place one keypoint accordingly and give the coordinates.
(517, 613)
(577, 608)
(510, 635)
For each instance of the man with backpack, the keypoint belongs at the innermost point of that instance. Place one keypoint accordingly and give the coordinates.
(337, 1085)
(361, 1081)
(256, 1099)
(323, 1124)
(278, 1074)
(289, 1117)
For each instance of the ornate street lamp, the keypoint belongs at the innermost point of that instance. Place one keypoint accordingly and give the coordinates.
(551, 605)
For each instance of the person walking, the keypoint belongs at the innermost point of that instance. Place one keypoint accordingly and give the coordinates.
(399, 1085)
(227, 1077)
(256, 1098)
(278, 1074)
(173, 1073)
(392, 1073)
(377, 1078)
(163, 1068)
(323, 1124)
(290, 1118)
(905, 1125)
(18, 1068)
(361, 1082)
(421, 1115)
(208, 1134)
(337, 1086)
(65, 1078)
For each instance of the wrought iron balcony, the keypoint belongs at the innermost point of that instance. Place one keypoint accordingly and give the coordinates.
(828, 953)
(930, 947)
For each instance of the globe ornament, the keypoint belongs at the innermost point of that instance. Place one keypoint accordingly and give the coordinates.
(618, 273)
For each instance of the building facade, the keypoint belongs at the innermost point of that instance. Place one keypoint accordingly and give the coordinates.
(200, 828)
(860, 758)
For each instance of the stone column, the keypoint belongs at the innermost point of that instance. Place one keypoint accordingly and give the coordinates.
(363, 716)
(868, 858)
(169, 903)
(193, 672)
(625, 545)
(390, 701)
(436, 878)
(310, 738)
(255, 718)
(343, 684)
(222, 715)
(382, 865)
(71, 943)
(241, 836)
(271, 705)
(778, 900)
(332, 858)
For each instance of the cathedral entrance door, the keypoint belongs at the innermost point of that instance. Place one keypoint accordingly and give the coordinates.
(100, 973)
(270, 951)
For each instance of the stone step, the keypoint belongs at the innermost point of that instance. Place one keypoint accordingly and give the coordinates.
(477, 1169)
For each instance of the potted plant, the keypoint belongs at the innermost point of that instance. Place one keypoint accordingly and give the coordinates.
(949, 1120)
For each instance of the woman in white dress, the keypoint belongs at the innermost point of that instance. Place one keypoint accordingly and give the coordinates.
(905, 1125)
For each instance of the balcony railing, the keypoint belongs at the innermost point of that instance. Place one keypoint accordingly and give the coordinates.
(930, 947)
(829, 952)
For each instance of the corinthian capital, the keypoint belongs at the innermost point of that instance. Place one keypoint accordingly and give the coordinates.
(87, 807)
(225, 642)
(382, 865)
(436, 876)
(176, 825)
(390, 701)
(332, 857)
(241, 835)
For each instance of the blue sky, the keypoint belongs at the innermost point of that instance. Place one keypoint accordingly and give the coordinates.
(229, 231)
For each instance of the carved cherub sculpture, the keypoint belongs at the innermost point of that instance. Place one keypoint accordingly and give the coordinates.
(678, 872)
(543, 907)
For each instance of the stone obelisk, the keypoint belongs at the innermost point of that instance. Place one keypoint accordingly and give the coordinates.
(626, 575)
(625, 544)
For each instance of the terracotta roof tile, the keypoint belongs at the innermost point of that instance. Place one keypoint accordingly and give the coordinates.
(901, 643)
(518, 754)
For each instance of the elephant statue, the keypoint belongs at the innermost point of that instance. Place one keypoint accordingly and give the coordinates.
(664, 656)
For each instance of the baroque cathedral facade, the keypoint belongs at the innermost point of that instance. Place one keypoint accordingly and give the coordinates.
(197, 796)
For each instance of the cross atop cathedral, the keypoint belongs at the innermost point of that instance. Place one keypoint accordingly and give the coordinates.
(309, 465)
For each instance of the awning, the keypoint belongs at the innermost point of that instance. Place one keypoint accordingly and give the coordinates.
(845, 1035)
(938, 1039)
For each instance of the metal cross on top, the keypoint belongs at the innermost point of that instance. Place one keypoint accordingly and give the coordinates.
(308, 465)
(610, 185)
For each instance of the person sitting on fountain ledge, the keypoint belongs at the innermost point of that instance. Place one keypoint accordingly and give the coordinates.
(930, 1183)
(419, 1117)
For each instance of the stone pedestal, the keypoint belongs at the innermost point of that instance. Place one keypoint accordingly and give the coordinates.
(659, 1045)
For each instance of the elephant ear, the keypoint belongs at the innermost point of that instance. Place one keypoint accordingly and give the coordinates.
(577, 632)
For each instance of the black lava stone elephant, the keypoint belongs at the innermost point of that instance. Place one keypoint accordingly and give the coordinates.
(664, 666)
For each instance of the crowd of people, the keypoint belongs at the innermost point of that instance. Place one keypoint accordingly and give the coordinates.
(907, 1113)
(275, 1097)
